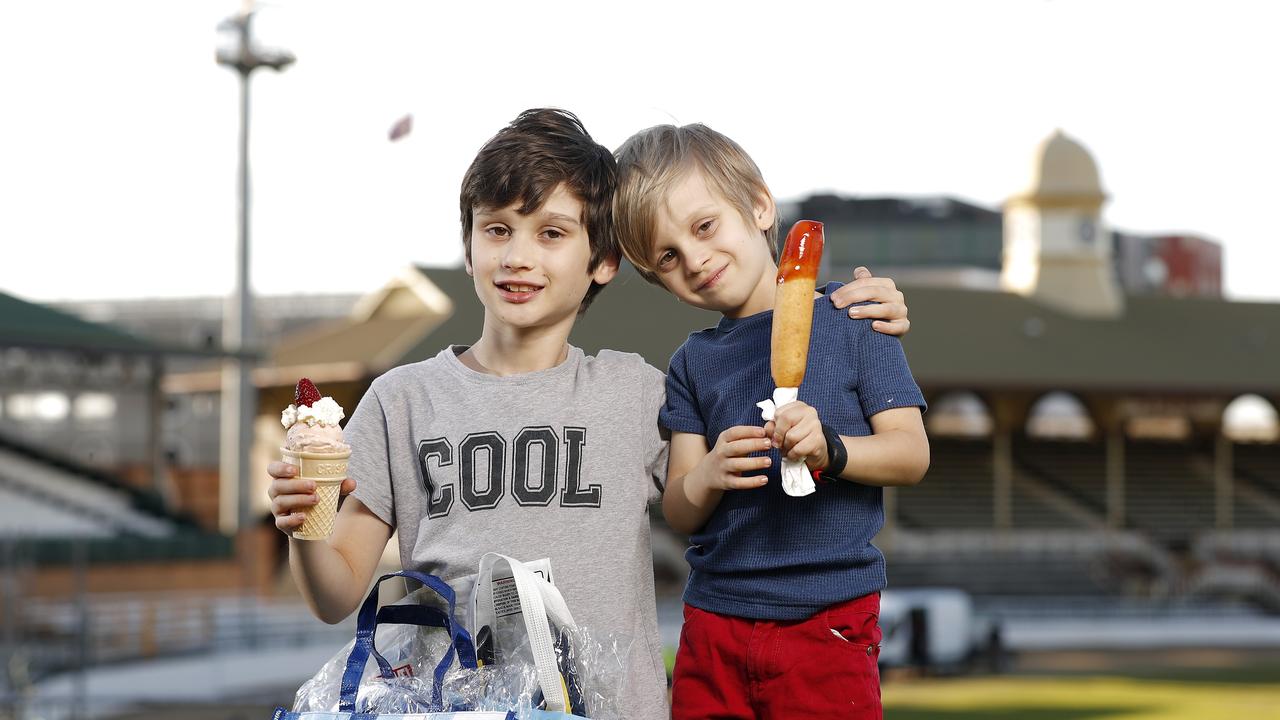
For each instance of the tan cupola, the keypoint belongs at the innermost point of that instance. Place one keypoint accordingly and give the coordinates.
(1057, 249)
(1063, 173)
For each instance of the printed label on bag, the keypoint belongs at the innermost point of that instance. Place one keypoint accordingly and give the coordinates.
(404, 671)
(506, 599)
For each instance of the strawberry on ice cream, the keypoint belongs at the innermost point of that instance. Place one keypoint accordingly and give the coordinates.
(312, 421)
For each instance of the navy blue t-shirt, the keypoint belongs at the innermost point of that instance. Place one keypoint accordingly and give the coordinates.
(764, 554)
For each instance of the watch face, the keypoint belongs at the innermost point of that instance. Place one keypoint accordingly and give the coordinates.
(1087, 231)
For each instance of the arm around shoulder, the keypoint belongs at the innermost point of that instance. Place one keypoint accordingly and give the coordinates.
(334, 574)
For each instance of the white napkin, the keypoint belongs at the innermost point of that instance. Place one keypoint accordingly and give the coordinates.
(796, 480)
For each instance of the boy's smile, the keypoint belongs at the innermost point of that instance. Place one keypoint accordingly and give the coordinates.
(517, 291)
(530, 270)
(708, 255)
(713, 280)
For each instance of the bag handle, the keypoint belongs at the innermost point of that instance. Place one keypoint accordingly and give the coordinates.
(423, 615)
(539, 600)
(368, 618)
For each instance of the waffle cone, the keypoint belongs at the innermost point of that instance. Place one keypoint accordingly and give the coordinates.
(327, 471)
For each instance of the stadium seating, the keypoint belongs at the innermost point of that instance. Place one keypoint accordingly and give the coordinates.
(68, 495)
(1059, 564)
(956, 493)
(1058, 484)
(1075, 469)
(1059, 509)
(1261, 465)
(25, 517)
(1169, 490)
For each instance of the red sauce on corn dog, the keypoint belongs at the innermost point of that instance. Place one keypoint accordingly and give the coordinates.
(793, 304)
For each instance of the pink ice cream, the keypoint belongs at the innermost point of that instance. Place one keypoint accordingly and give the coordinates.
(312, 422)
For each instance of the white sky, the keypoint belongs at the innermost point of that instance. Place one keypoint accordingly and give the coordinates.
(118, 130)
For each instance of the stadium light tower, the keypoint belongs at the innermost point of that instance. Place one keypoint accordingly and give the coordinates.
(238, 52)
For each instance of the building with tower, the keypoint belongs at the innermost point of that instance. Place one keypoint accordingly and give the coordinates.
(1050, 239)
(1056, 249)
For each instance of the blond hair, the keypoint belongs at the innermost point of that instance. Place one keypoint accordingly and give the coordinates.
(653, 160)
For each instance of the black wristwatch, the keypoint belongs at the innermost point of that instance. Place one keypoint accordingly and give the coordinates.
(837, 453)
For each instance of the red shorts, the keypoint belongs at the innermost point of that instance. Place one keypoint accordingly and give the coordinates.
(823, 667)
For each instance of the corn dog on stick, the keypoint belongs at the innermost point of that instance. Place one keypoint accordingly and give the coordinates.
(792, 322)
(793, 304)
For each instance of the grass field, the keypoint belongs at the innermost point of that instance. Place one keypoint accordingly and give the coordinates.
(1186, 696)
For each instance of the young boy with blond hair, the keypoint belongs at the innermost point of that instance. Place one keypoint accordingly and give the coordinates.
(783, 595)
(518, 443)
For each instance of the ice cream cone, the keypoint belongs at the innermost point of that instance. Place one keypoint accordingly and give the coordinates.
(327, 471)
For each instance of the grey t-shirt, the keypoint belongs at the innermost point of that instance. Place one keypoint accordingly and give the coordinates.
(560, 463)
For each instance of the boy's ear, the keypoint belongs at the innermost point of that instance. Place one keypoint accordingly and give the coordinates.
(606, 270)
(764, 211)
(466, 261)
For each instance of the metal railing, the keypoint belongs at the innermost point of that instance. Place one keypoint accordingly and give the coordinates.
(75, 636)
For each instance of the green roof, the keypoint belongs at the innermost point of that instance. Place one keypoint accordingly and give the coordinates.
(182, 545)
(31, 325)
(960, 338)
(995, 340)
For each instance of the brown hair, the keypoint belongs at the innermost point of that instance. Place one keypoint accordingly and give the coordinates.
(527, 160)
(652, 160)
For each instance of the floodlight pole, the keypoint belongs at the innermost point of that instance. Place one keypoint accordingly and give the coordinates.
(238, 392)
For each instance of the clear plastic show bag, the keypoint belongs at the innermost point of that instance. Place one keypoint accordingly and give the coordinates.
(368, 620)
(529, 673)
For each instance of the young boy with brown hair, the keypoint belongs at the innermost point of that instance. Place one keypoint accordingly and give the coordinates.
(783, 597)
(519, 443)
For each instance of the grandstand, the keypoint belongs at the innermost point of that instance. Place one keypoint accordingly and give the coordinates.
(73, 529)
(1059, 544)
(43, 500)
